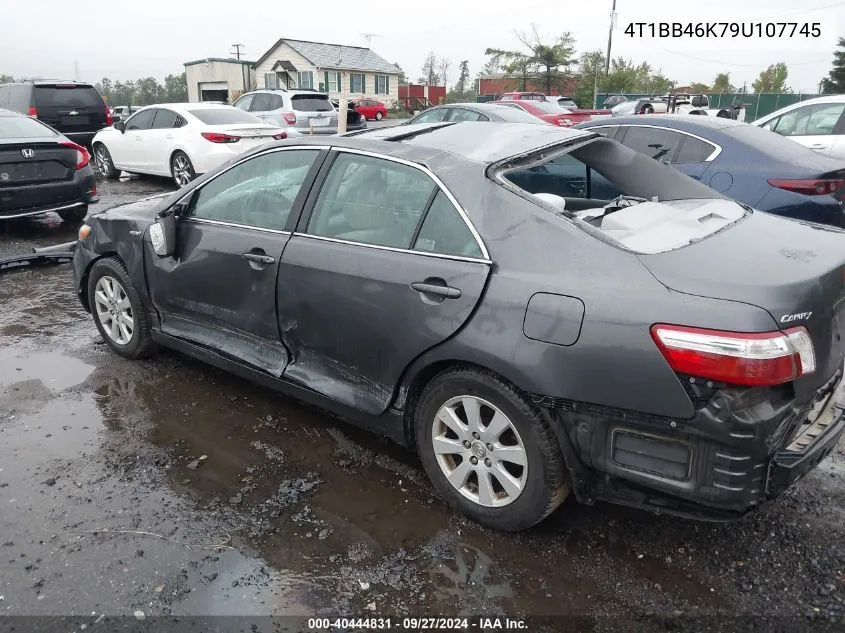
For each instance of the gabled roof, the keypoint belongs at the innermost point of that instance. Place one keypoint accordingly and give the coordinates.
(335, 56)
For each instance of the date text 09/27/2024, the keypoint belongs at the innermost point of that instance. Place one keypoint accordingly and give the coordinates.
(418, 624)
(724, 29)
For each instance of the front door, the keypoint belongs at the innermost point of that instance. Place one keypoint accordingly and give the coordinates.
(384, 268)
(815, 126)
(128, 149)
(218, 290)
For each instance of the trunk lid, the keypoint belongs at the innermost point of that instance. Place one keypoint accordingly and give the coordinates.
(70, 108)
(793, 270)
(45, 161)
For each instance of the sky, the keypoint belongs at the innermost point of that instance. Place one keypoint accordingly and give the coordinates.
(57, 39)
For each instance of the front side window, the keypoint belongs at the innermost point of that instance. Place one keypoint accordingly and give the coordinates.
(812, 120)
(431, 116)
(445, 232)
(257, 193)
(305, 79)
(371, 200)
(382, 84)
(244, 102)
(356, 82)
(141, 121)
(461, 114)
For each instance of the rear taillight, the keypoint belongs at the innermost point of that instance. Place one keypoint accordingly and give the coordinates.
(740, 358)
(809, 187)
(280, 136)
(109, 119)
(290, 118)
(218, 137)
(82, 155)
(33, 112)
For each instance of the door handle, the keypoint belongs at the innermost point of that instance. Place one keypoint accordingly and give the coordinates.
(259, 258)
(817, 146)
(436, 287)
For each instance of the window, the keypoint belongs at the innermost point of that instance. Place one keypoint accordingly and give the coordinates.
(244, 102)
(311, 103)
(654, 142)
(305, 79)
(271, 81)
(164, 119)
(264, 102)
(382, 84)
(23, 127)
(462, 114)
(356, 82)
(141, 121)
(610, 131)
(371, 200)
(332, 81)
(445, 232)
(68, 96)
(515, 115)
(224, 116)
(811, 120)
(693, 150)
(431, 116)
(257, 193)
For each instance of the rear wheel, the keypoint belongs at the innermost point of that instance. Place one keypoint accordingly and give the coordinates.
(105, 165)
(488, 451)
(76, 214)
(182, 169)
(117, 309)
(379, 116)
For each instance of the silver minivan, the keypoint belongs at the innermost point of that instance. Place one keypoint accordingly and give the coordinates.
(304, 110)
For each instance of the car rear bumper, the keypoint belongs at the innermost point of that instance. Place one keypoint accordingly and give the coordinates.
(742, 447)
(36, 199)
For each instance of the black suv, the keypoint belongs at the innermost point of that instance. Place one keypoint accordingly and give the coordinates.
(75, 109)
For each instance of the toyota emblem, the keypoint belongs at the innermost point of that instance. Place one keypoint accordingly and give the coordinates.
(28, 153)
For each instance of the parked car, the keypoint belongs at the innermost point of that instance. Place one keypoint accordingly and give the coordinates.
(666, 348)
(73, 108)
(180, 140)
(523, 96)
(548, 112)
(749, 164)
(307, 111)
(371, 109)
(614, 100)
(567, 103)
(474, 112)
(121, 113)
(42, 170)
(816, 123)
(354, 119)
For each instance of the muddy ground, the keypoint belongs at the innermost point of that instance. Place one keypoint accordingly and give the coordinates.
(167, 487)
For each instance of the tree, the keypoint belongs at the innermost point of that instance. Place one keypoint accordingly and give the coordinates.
(515, 64)
(696, 87)
(491, 67)
(176, 88)
(402, 78)
(835, 81)
(462, 85)
(773, 79)
(722, 83)
(6, 79)
(549, 57)
(590, 76)
(443, 68)
(429, 75)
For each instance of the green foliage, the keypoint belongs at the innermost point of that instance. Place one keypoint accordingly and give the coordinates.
(144, 91)
(464, 89)
(722, 83)
(430, 75)
(539, 60)
(835, 81)
(773, 79)
(591, 70)
(697, 87)
(626, 76)
(6, 79)
(402, 78)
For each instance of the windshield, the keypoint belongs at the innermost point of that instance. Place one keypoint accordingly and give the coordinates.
(311, 103)
(224, 116)
(512, 115)
(70, 96)
(23, 127)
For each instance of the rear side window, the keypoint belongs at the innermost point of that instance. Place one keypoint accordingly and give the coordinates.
(460, 114)
(432, 116)
(264, 102)
(164, 119)
(513, 115)
(610, 131)
(656, 143)
(22, 127)
(70, 96)
(224, 116)
(445, 232)
(693, 150)
(311, 103)
(141, 121)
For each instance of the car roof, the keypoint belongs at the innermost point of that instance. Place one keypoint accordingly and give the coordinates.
(689, 122)
(474, 141)
(299, 91)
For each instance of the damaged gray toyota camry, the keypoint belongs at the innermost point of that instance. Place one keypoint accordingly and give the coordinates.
(535, 311)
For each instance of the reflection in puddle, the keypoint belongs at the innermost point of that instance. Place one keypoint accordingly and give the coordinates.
(465, 579)
(55, 370)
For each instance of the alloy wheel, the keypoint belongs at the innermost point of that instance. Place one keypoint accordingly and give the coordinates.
(103, 160)
(183, 173)
(114, 310)
(480, 451)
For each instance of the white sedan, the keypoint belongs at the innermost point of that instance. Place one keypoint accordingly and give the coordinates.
(815, 123)
(180, 140)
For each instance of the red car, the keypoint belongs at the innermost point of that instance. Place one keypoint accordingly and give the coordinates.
(371, 109)
(549, 112)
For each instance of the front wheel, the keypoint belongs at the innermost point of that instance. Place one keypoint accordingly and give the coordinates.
(104, 162)
(488, 451)
(182, 169)
(118, 311)
(379, 116)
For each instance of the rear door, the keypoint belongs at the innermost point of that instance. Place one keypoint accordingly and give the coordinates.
(218, 289)
(383, 268)
(70, 108)
(159, 141)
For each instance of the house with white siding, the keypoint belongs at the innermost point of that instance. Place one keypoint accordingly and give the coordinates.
(351, 72)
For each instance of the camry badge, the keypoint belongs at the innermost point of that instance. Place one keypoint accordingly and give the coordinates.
(28, 153)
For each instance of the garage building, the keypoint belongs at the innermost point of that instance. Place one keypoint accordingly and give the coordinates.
(217, 79)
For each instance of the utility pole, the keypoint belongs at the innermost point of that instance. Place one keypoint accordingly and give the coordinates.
(237, 51)
(610, 38)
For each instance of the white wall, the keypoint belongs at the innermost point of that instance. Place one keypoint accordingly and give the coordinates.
(233, 74)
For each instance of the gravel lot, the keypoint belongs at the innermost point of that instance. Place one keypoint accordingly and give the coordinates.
(168, 487)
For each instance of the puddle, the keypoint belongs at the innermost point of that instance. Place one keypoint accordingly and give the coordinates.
(54, 370)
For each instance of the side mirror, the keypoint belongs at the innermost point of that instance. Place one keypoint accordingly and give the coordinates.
(120, 125)
(163, 235)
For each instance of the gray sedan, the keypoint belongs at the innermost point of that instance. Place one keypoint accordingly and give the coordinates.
(455, 112)
(535, 311)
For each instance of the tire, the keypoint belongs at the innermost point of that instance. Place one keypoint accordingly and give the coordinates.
(379, 116)
(74, 215)
(647, 109)
(104, 162)
(541, 484)
(182, 169)
(110, 272)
